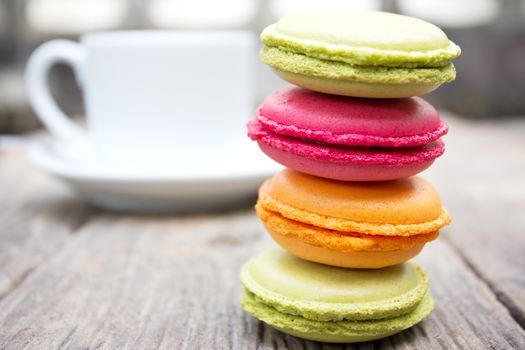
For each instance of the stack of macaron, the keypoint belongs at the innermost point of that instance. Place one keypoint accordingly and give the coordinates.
(349, 210)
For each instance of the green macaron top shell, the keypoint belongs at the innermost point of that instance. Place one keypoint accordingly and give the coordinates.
(365, 38)
(326, 293)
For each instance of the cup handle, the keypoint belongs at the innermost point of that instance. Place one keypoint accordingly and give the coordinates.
(37, 70)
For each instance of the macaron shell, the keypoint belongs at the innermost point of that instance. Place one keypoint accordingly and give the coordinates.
(405, 201)
(335, 240)
(372, 29)
(364, 54)
(400, 208)
(346, 225)
(327, 293)
(352, 259)
(346, 154)
(341, 120)
(344, 171)
(362, 38)
(314, 67)
(358, 88)
(335, 332)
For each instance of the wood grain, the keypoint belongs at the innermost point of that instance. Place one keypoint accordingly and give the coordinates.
(482, 182)
(167, 283)
(72, 277)
(140, 283)
(36, 216)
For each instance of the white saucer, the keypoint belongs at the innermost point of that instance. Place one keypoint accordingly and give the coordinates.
(175, 187)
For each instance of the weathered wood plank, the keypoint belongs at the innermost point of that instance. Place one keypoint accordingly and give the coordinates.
(161, 282)
(172, 282)
(467, 313)
(140, 283)
(482, 182)
(36, 215)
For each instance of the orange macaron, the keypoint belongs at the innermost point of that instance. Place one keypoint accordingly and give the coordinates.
(350, 224)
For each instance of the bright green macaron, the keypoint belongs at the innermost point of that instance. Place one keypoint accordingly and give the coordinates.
(360, 53)
(332, 304)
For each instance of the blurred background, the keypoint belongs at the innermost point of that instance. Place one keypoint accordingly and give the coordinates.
(491, 33)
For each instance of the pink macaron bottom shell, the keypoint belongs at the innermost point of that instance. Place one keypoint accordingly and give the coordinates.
(343, 171)
(353, 139)
(345, 163)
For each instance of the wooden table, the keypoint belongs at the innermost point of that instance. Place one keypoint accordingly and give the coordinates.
(75, 277)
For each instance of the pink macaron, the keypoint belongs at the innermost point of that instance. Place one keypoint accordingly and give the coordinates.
(346, 138)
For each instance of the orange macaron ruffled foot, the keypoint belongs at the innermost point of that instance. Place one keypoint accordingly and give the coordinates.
(351, 224)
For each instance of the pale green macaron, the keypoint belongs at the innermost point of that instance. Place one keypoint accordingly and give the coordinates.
(360, 53)
(332, 304)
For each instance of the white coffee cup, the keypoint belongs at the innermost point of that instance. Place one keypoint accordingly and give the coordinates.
(152, 96)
